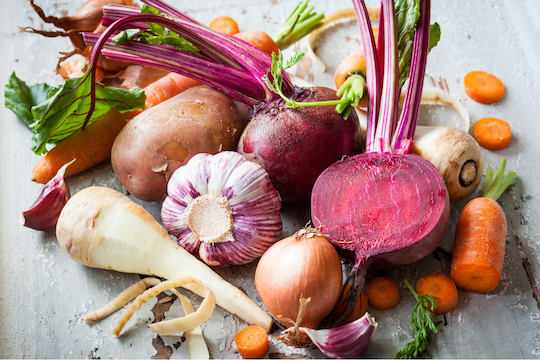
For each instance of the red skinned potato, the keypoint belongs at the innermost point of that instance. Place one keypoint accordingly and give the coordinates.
(159, 140)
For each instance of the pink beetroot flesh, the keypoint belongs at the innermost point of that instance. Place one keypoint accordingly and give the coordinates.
(387, 209)
(295, 145)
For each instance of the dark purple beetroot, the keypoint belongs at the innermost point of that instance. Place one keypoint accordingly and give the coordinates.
(295, 145)
(381, 208)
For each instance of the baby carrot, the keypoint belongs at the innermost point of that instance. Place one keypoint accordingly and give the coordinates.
(442, 288)
(252, 342)
(383, 293)
(92, 145)
(259, 39)
(480, 236)
(483, 87)
(492, 133)
(225, 25)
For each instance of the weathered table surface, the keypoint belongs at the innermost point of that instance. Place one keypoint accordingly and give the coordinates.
(43, 293)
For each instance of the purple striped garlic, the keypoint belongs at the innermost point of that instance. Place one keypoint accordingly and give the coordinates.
(223, 209)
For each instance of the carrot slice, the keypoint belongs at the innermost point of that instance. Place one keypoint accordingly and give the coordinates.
(383, 293)
(492, 133)
(252, 342)
(483, 87)
(360, 307)
(225, 25)
(442, 288)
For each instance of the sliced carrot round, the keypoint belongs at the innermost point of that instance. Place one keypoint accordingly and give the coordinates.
(252, 342)
(383, 293)
(360, 307)
(492, 133)
(442, 288)
(483, 87)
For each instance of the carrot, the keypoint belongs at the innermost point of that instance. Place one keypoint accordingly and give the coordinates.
(354, 63)
(88, 147)
(259, 39)
(483, 87)
(225, 25)
(442, 288)
(166, 87)
(492, 133)
(480, 237)
(383, 293)
(360, 308)
(252, 342)
(92, 145)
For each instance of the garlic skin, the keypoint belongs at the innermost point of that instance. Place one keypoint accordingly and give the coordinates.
(347, 341)
(43, 214)
(223, 209)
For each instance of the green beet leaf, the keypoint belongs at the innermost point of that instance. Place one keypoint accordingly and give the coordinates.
(20, 98)
(67, 108)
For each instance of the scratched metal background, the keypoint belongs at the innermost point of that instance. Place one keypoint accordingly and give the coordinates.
(43, 294)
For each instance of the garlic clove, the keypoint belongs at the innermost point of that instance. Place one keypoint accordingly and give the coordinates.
(223, 209)
(44, 213)
(348, 341)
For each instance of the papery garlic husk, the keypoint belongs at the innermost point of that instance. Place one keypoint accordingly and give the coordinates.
(43, 214)
(347, 341)
(223, 209)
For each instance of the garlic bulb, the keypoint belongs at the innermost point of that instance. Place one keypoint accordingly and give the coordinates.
(223, 209)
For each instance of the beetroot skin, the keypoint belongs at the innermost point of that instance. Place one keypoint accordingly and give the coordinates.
(385, 209)
(295, 145)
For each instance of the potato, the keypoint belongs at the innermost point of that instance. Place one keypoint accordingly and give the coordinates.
(159, 140)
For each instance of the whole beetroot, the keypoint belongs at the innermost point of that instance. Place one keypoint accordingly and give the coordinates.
(295, 145)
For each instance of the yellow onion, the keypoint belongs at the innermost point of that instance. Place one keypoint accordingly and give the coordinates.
(302, 265)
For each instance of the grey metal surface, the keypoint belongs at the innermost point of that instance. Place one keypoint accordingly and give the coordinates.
(43, 293)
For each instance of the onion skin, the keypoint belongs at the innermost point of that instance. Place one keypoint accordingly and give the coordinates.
(295, 145)
(300, 265)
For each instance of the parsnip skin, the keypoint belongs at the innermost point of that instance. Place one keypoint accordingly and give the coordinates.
(102, 228)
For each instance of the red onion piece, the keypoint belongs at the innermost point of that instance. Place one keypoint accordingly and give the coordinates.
(44, 213)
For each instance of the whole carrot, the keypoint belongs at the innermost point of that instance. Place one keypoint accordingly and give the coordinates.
(480, 236)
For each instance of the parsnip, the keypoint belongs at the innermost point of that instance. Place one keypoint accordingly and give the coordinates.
(456, 155)
(102, 228)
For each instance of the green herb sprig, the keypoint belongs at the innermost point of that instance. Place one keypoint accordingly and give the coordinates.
(156, 34)
(343, 106)
(423, 323)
